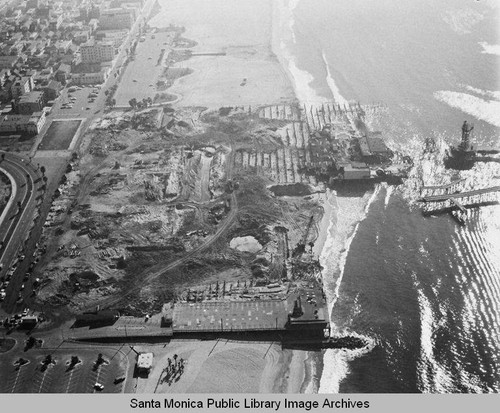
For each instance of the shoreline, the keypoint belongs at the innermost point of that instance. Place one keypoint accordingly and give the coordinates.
(268, 61)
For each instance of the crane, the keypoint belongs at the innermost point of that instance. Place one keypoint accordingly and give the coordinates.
(301, 246)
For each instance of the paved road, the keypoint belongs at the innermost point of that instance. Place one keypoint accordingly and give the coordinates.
(17, 222)
(79, 109)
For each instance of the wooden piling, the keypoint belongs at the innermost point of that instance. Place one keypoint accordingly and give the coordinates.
(312, 117)
(329, 112)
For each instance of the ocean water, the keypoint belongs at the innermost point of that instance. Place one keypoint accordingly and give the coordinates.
(425, 291)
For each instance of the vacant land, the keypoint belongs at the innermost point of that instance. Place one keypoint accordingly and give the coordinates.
(60, 134)
(150, 210)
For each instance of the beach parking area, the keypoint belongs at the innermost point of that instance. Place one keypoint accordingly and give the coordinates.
(141, 74)
(58, 376)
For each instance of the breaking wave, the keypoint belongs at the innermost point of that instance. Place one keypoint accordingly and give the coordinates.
(332, 259)
(490, 48)
(487, 110)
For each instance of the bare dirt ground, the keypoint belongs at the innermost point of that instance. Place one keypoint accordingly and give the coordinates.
(149, 210)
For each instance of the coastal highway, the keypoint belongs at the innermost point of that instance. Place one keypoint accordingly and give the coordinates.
(16, 222)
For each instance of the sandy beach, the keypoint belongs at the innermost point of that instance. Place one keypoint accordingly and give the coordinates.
(217, 366)
(232, 63)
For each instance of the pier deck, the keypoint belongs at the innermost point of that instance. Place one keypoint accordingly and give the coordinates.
(445, 186)
(446, 197)
(230, 316)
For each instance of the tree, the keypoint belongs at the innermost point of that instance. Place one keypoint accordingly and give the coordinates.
(113, 102)
(42, 170)
(133, 103)
(106, 92)
(3, 157)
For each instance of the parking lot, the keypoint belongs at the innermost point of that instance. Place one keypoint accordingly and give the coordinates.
(59, 378)
(75, 103)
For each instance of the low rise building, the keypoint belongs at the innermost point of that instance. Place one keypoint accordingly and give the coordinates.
(30, 102)
(31, 124)
(90, 78)
(144, 363)
(113, 19)
(8, 62)
(96, 52)
(80, 36)
(52, 90)
(22, 86)
(55, 23)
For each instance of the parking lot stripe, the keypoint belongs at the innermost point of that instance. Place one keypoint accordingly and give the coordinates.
(17, 378)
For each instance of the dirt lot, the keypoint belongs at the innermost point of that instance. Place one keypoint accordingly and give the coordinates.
(151, 207)
(59, 135)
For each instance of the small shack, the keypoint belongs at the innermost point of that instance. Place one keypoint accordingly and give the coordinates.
(29, 322)
(144, 363)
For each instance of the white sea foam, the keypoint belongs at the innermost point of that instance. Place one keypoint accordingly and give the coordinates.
(331, 83)
(283, 36)
(490, 48)
(487, 110)
(339, 359)
(490, 94)
(332, 259)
